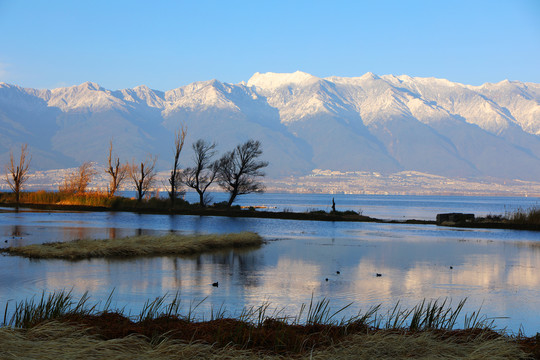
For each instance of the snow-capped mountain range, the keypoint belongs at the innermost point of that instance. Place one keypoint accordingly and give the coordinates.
(370, 123)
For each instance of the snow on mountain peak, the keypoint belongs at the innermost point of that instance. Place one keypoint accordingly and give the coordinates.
(90, 86)
(369, 76)
(200, 95)
(142, 88)
(382, 123)
(271, 81)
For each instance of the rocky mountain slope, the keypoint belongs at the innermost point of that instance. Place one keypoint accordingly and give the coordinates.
(369, 123)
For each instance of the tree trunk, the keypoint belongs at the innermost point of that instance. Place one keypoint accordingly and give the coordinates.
(232, 197)
(201, 198)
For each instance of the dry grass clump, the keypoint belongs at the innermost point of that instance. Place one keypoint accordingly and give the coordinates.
(87, 198)
(59, 327)
(59, 340)
(145, 245)
(529, 216)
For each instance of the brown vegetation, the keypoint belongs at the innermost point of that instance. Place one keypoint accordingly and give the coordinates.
(77, 181)
(42, 329)
(143, 175)
(117, 171)
(60, 199)
(17, 174)
(526, 217)
(74, 340)
(144, 245)
(520, 219)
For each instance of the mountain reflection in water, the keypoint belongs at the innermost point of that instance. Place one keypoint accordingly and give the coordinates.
(495, 269)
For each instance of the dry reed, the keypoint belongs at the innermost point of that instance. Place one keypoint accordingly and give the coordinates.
(58, 340)
(529, 216)
(145, 245)
(57, 326)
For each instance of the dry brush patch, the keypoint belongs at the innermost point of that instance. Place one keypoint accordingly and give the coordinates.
(63, 340)
(145, 245)
(57, 327)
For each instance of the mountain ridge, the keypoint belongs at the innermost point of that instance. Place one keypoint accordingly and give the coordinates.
(381, 123)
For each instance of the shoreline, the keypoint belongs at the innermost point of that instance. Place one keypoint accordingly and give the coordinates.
(237, 212)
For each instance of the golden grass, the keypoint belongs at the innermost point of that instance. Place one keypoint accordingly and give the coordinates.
(58, 341)
(145, 245)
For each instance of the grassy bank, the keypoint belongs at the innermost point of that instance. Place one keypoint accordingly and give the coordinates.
(90, 198)
(521, 219)
(57, 326)
(98, 201)
(145, 245)
(525, 216)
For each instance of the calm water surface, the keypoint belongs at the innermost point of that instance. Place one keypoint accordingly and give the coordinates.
(393, 207)
(495, 269)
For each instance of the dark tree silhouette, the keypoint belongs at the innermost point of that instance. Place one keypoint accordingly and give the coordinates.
(17, 174)
(239, 169)
(175, 180)
(117, 171)
(204, 172)
(143, 176)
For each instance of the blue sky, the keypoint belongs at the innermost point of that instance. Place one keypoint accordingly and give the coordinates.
(166, 44)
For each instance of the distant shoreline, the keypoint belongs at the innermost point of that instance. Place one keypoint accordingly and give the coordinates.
(237, 211)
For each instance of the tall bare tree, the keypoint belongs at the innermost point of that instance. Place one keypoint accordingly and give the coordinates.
(239, 169)
(143, 175)
(204, 172)
(17, 174)
(77, 181)
(117, 171)
(175, 180)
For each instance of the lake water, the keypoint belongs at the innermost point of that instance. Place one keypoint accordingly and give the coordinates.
(388, 207)
(498, 270)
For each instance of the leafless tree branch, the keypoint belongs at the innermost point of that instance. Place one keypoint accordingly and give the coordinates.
(17, 174)
(239, 169)
(117, 171)
(143, 175)
(204, 172)
(77, 181)
(175, 180)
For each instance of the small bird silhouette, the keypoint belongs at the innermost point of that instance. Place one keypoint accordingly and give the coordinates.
(5, 241)
(337, 272)
(379, 275)
(451, 267)
(326, 279)
(216, 284)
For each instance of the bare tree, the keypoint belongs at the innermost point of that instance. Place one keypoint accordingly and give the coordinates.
(200, 176)
(117, 171)
(175, 180)
(239, 169)
(17, 174)
(143, 175)
(77, 181)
